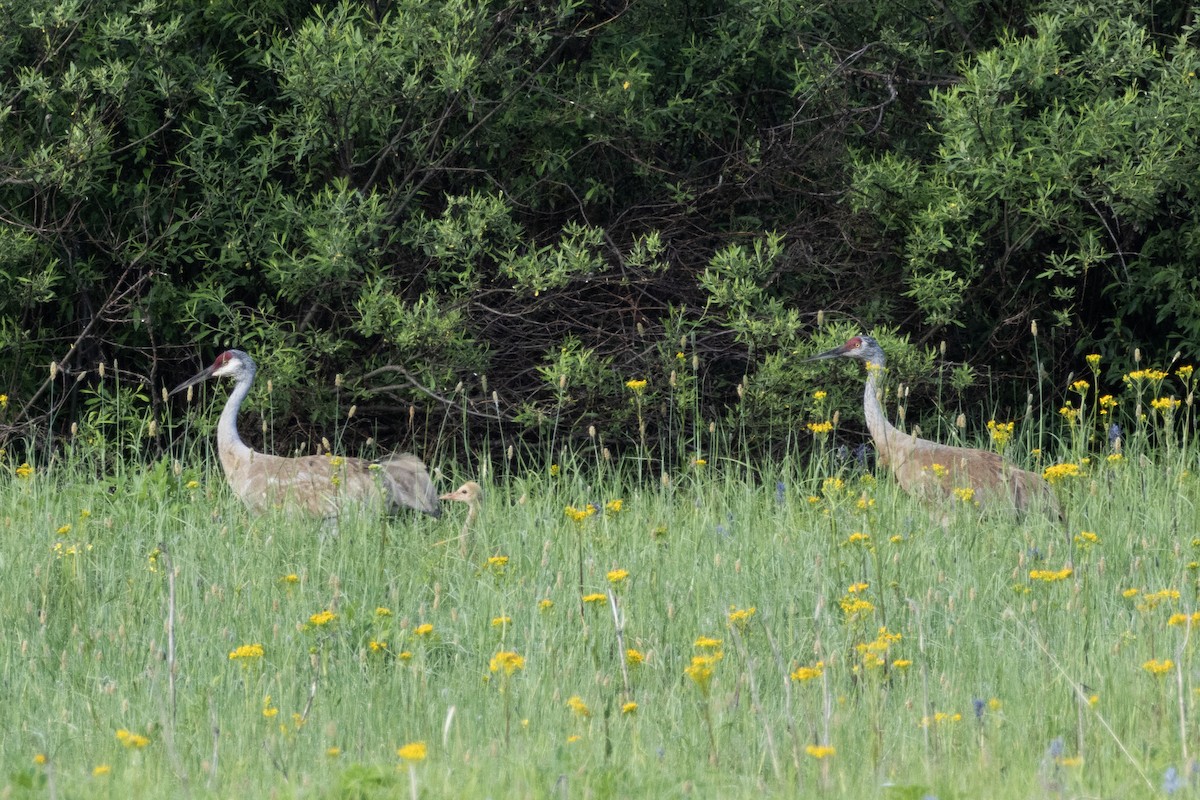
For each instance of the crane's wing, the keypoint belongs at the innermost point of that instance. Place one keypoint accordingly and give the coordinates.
(408, 483)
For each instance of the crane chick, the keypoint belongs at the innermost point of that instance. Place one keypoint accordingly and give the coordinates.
(320, 485)
(470, 493)
(928, 469)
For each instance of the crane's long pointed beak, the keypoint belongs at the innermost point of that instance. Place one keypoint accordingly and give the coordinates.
(836, 352)
(203, 375)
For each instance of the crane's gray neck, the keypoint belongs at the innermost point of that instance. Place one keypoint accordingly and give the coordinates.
(877, 422)
(228, 440)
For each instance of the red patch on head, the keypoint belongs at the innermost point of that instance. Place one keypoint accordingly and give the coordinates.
(853, 342)
(223, 359)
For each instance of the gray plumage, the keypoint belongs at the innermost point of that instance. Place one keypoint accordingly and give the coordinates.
(931, 470)
(321, 485)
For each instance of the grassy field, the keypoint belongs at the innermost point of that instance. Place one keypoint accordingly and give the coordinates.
(724, 633)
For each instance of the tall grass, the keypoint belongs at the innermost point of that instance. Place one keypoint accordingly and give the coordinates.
(797, 630)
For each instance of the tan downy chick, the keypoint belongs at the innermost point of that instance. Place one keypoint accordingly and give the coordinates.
(470, 493)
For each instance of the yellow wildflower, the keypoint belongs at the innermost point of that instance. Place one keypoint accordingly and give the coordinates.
(100, 770)
(1058, 472)
(1093, 360)
(1049, 575)
(506, 660)
(381, 611)
(629, 708)
(634, 657)
(498, 622)
(412, 752)
(292, 578)
(246, 651)
(1000, 432)
(1164, 405)
(820, 751)
(1184, 372)
(701, 671)
(858, 537)
(636, 386)
(939, 470)
(322, 618)
(855, 588)
(902, 663)
(616, 576)
(1085, 539)
(333, 752)
(1137, 376)
(40, 759)
(424, 629)
(965, 494)
(24, 471)
(613, 507)
(133, 740)
(1081, 386)
(819, 428)
(377, 647)
(545, 604)
(594, 597)
(64, 529)
(576, 704)
(808, 673)
(741, 616)
(707, 643)
(1158, 667)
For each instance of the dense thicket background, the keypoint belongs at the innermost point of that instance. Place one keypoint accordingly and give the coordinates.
(491, 215)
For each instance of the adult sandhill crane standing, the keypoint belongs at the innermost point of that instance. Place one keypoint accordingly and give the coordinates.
(928, 469)
(470, 493)
(321, 485)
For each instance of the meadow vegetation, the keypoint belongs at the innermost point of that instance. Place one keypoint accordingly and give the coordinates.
(724, 628)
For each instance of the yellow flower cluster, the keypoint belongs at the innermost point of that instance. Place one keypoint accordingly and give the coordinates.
(246, 651)
(820, 751)
(1050, 575)
(322, 618)
(809, 673)
(873, 653)
(965, 494)
(424, 629)
(1058, 472)
(1001, 432)
(507, 661)
(1158, 667)
(855, 607)
(616, 576)
(579, 514)
(613, 507)
(636, 386)
(1140, 375)
(741, 616)
(939, 470)
(939, 718)
(634, 657)
(819, 428)
(576, 704)
(1184, 619)
(413, 751)
(1164, 405)
(133, 740)
(594, 597)
(1086, 539)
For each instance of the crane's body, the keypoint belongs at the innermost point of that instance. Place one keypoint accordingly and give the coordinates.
(931, 470)
(321, 485)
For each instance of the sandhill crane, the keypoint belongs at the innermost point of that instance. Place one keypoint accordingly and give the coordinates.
(321, 485)
(928, 469)
(470, 493)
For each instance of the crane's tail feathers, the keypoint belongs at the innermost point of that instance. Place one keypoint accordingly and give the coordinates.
(409, 485)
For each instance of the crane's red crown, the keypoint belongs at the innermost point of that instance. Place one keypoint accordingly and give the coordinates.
(853, 341)
(223, 359)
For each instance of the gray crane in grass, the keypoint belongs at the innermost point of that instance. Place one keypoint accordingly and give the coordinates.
(321, 485)
(930, 470)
